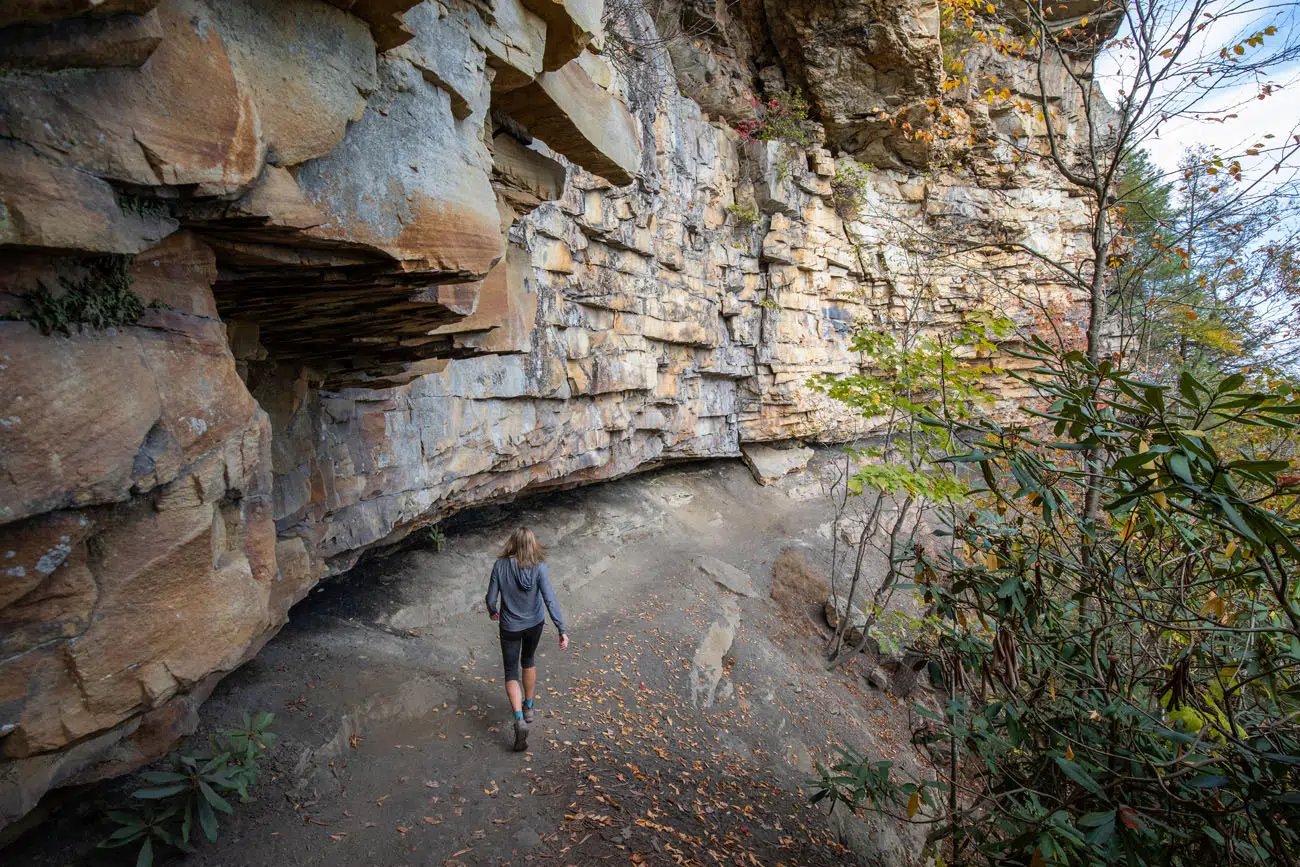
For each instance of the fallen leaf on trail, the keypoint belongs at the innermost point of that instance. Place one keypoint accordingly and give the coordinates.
(379, 802)
(402, 830)
(431, 784)
(354, 739)
(429, 820)
(337, 837)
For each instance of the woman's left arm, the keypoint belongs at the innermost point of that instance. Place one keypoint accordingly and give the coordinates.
(494, 590)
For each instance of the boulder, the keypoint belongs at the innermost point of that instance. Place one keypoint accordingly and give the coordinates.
(836, 609)
(769, 465)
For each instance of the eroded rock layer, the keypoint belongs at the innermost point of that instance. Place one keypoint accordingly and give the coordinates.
(317, 274)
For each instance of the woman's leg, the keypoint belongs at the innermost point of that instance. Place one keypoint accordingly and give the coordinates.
(511, 645)
(530, 639)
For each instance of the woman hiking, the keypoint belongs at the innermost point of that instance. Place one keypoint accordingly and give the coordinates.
(521, 584)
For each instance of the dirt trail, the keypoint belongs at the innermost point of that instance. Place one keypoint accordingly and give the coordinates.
(680, 727)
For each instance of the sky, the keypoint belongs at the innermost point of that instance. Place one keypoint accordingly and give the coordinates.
(1278, 114)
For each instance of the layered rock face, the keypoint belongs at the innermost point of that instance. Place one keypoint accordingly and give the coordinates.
(374, 261)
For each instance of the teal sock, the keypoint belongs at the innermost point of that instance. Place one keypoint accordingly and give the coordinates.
(519, 714)
(528, 702)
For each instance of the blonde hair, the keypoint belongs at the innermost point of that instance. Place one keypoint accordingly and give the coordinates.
(524, 548)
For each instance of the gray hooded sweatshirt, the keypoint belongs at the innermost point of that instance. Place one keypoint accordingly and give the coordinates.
(522, 590)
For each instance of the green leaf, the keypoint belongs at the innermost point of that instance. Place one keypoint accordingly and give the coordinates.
(1231, 383)
(1187, 387)
(1259, 466)
(1092, 820)
(1234, 518)
(1179, 467)
(1100, 834)
(207, 820)
(122, 837)
(153, 794)
(1080, 776)
(1174, 735)
(214, 799)
(128, 818)
(1208, 781)
(145, 858)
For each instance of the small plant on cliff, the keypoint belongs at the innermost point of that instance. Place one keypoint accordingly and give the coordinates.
(194, 791)
(783, 118)
(849, 189)
(745, 215)
(435, 537)
(101, 298)
(142, 206)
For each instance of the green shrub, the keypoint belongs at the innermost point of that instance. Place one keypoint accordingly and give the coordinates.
(745, 215)
(193, 792)
(1119, 638)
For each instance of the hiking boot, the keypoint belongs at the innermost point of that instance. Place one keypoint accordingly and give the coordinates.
(521, 735)
(529, 714)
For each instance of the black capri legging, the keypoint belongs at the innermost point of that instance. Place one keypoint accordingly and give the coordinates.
(515, 645)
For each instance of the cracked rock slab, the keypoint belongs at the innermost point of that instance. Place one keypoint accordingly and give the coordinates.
(770, 464)
(728, 576)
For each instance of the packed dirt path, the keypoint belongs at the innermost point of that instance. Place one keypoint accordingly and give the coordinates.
(680, 727)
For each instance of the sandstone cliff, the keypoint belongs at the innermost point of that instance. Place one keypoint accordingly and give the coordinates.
(390, 259)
